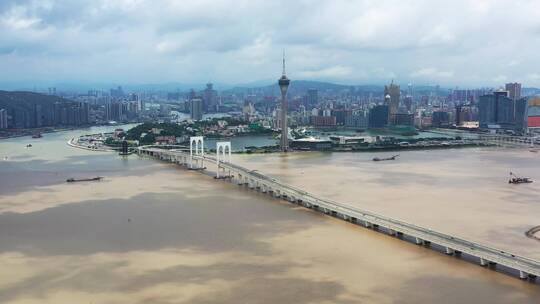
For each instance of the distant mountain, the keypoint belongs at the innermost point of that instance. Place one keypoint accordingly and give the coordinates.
(297, 87)
(18, 99)
(530, 91)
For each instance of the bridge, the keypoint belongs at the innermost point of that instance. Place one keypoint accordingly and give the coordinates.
(509, 140)
(195, 159)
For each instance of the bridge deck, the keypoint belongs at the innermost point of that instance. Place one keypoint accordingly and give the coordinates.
(475, 249)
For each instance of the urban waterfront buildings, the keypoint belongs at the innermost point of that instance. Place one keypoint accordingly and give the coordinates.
(378, 116)
(196, 108)
(210, 99)
(392, 95)
(3, 119)
(312, 96)
(499, 111)
(533, 119)
(514, 90)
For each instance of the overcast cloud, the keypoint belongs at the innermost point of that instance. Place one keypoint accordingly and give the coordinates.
(466, 43)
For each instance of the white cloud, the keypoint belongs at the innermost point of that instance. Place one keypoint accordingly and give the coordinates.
(500, 78)
(326, 73)
(534, 76)
(432, 72)
(457, 42)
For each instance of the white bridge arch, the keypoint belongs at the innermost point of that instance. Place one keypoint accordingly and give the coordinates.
(199, 151)
(223, 155)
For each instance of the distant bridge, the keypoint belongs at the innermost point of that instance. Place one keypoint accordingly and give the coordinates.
(509, 140)
(525, 268)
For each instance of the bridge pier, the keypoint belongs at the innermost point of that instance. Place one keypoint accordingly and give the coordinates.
(418, 241)
(483, 262)
(449, 251)
(523, 275)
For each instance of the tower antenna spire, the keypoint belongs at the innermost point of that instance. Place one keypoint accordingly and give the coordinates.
(283, 62)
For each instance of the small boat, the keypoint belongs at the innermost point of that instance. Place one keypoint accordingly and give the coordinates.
(29, 146)
(518, 180)
(386, 158)
(37, 135)
(73, 180)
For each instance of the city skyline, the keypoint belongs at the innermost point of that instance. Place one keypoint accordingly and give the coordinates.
(140, 42)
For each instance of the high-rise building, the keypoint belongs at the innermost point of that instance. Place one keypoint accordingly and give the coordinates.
(312, 96)
(3, 119)
(514, 90)
(394, 93)
(521, 109)
(533, 112)
(498, 109)
(173, 96)
(117, 93)
(440, 119)
(408, 103)
(378, 116)
(196, 108)
(210, 100)
(403, 119)
(458, 115)
(283, 83)
(487, 110)
(358, 119)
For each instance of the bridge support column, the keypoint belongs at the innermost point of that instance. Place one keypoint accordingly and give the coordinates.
(483, 262)
(418, 241)
(392, 232)
(449, 251)
(523, 275)
(367, 224)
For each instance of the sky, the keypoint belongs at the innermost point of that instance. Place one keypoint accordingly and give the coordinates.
(452, 43)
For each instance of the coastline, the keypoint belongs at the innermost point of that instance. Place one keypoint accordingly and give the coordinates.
(44, 131)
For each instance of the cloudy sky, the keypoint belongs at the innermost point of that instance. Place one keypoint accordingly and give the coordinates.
(464, 43)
